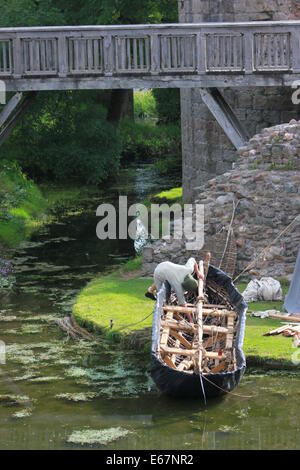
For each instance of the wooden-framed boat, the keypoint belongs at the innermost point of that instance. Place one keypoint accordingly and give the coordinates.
(197, 350)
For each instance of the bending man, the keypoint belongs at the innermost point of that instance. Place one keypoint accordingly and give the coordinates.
(177, 276)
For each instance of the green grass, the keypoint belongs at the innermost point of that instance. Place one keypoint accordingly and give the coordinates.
(22, 206)
(112, 297)
(144, 140)
(170, 196)
(261, 349)
(266, 348)
(145, 105)
(132, 265)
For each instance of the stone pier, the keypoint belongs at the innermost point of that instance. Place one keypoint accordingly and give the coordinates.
(207, 152)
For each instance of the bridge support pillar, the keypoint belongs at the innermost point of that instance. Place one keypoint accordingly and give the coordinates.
(206, 149)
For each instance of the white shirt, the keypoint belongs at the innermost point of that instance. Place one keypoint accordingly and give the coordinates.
(175, 275)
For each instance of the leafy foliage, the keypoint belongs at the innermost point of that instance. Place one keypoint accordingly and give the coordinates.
(20, 204)
(122, 11)
(66, 135)
(145, 105)
(167, 104)
(145, 140)
(30, 13)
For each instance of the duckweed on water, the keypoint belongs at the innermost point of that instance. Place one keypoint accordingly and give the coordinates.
(77, 397)
(12, 400)
(22, 414)
(100, 437)
(7, 318)
(92, 374)
(40, 380)
(227, 429)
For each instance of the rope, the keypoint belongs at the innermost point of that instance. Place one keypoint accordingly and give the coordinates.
(263, 252)
(202, 386)
(133, 324)
(228, 391)
(229, 231)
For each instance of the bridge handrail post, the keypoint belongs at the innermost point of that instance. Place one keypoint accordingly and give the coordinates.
(62, 56)
(249, 52)
(201, 53)
(108, 55)
(17, 57)
(295, 49)
(155, 54)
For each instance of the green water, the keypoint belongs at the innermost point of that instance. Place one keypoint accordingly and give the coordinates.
(44, 369)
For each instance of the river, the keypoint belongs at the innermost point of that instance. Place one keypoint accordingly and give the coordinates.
(53, 387)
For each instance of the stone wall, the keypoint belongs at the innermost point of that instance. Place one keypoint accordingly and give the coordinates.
(206, 149)
(265, 182)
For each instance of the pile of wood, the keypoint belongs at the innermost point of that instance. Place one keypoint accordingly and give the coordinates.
(288, 330)
(199, 337)
(73, 330)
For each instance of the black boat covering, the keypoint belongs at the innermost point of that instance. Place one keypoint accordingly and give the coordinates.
(186, 385)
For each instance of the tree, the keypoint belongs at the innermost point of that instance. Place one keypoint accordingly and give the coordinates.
(30, 13)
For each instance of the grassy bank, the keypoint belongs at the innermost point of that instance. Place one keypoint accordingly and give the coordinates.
(117, 297)
(170, 196)
(22, 206)
(120, 297)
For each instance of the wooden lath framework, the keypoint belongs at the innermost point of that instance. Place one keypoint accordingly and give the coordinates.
(205, 344)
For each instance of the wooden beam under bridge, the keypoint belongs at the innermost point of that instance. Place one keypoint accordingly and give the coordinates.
(13, 113)
(225, 116)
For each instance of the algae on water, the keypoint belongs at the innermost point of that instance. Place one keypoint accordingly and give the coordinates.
(101, 437)
(22, 414)
(77, 397)
(11, 400)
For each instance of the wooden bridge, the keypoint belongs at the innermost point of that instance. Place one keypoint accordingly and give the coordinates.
(205, 55)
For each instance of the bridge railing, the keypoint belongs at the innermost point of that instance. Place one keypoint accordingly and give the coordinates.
(148, 50)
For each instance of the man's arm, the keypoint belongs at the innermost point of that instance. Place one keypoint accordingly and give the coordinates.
(199, 275)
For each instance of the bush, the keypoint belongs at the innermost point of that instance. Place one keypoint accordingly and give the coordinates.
(66, 136)
(21, 205)
(168, 104)
(145, 105)
(146, 141)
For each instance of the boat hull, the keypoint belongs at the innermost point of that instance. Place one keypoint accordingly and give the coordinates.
(190, 385)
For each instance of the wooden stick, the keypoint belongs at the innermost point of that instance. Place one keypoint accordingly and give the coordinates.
(181, 339)
(200, 313)
(207, 329)
(205, 311)
(179, 326)
(192, 352)
(290, 319)
(277, 331)
(165, 334)
(169, 362)
(206, 265)
(218, 368)
(186, 364)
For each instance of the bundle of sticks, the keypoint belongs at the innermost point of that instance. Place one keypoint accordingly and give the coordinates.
(199, 337)
(288, 330)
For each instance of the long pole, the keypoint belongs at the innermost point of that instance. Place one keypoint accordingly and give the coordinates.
(200, 313)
